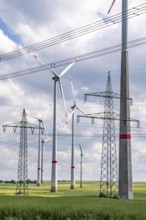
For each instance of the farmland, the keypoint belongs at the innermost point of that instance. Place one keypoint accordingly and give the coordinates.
(69, 204)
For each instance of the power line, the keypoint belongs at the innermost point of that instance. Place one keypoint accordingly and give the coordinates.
(98, 25)
(79, 58)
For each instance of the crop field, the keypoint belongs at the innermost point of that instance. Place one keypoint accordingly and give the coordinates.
(68, 204)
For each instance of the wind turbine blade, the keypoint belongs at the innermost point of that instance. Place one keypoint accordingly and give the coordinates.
(71, 114)
(62, 95)
(81, 111)
(111, 6)
(81, 150)
(48, 139)
(45, 128)
(72, 88)
(46, 65)
(48, 109)
(67, 68)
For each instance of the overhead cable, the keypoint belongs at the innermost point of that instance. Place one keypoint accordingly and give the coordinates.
(79, 58)
(98, 25)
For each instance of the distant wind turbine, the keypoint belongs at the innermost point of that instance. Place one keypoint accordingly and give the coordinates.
(43, 140)
(74, 108)
(81, 184)
(42, 156)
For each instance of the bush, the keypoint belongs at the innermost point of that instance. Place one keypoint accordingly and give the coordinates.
(13, 181)
(103, 195)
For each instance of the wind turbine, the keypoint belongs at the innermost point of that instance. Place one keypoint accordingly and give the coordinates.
(39, 147)
(56, 78)
(74, 108)
(40, 132)
(42, 156)
(43, 140)
(81, 185)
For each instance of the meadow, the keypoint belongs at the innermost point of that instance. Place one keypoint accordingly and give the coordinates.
(67, 204)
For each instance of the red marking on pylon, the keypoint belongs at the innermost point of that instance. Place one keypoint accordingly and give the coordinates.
(125, 136)
(73, 167)
(54, 161)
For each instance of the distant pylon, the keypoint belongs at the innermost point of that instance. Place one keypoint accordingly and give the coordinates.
(22, 185)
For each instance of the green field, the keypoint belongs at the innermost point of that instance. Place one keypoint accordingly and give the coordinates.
(69, 204)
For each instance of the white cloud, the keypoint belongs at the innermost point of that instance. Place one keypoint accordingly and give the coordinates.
(7, 45)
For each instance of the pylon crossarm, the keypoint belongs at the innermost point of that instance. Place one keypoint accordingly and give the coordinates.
(33, 127)
(14, 125)
(132, 120)
(106, 94)
(101, 115)
(103, 94)
(19, 125)
(127, 119)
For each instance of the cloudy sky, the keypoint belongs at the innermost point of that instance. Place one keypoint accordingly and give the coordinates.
(24, 23)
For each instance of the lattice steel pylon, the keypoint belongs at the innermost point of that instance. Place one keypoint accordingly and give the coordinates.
(22, 184)
(109, 176)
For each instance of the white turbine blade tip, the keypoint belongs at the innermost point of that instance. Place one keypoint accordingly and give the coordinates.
(72, 88)
(62, 95)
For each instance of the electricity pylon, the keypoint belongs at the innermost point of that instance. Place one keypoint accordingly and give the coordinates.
(109, 177)
(22, 185)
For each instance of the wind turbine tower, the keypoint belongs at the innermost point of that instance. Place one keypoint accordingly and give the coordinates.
(81, 182)
(42, 159)
(72, 182)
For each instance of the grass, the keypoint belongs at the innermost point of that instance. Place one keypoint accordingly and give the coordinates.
(69, 204)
